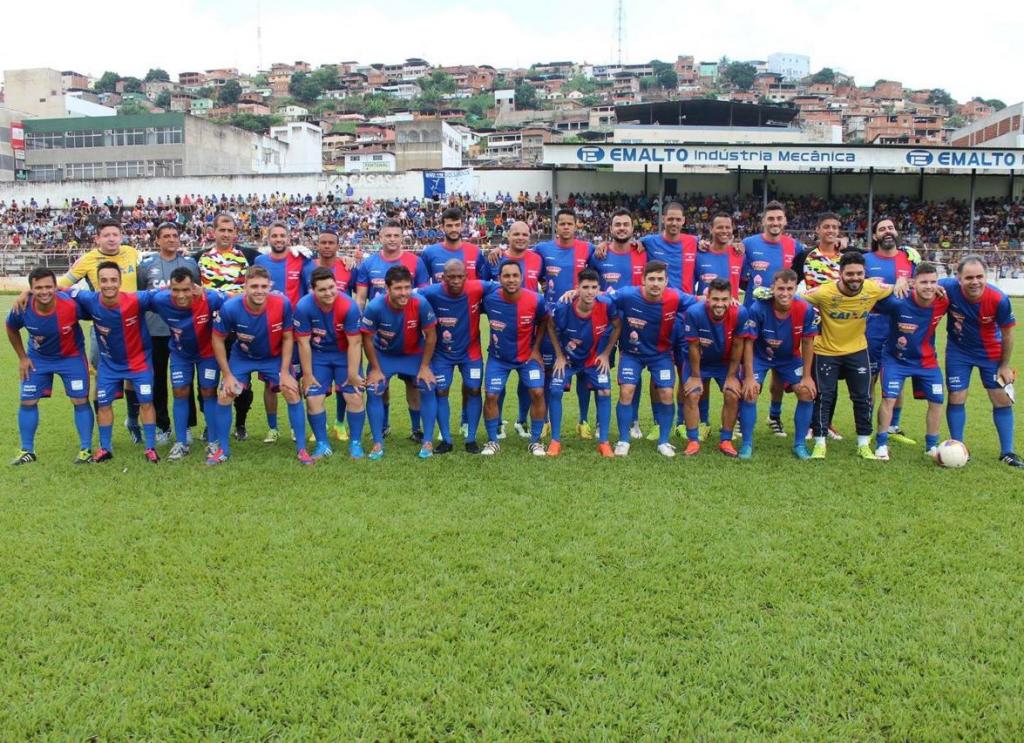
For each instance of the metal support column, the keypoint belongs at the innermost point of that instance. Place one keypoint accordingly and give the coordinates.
(764, 190)
(871, 209)
(646, 167)
(920, 186)
(661, 196)
(554, 199)
(828, 188)
(1010, 195)
(974, 177)
(739, 182)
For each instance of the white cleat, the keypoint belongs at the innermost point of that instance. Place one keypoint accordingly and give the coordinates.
(666, 450)
(490, 449)
(636, 432)
(622, 448)
(537, 450)
(882, 452)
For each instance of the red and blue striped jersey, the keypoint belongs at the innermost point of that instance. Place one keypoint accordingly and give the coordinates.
(885, 270)
(121, 330)
(531, 264)
(583, 338)
(647, 327)
(327, 329)
(435, 256)
(287, 274)
(619, 270)
(911, 336)
(777, 339)
(343, 277)
(191, 327)
(372, 270)
(514, 324)
(762, 258)
(259, 335)
(678, 256)
(716, 338)
(53, 335)
(458, 319)
(976, 328)
(560, 264)
(398, 331)
(710, 265)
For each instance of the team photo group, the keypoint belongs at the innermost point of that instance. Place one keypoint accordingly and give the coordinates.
(186, 339)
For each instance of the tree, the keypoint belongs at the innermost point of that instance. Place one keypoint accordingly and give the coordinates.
(164, 99)
(955, 121)
(107, 82)
(578, 82)
(156, 74)
(132, 84)
(255, 122)
(526, 97)
(304, 87)
(376, 105)
(740, 74)
(997, 104)
(437, 82)
(940, 97)
(826, 76)
(229, 93)
(326, 78)
(131, 107)
(665, 74)
(648, 82)
(590, 100)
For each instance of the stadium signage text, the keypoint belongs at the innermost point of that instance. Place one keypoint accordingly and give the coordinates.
(782, 157)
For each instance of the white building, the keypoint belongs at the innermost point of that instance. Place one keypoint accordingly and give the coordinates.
(790, 66)
(1000, 129)
(370, 162)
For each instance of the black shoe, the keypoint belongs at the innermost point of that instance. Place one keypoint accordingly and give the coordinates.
(443, 448)
(472, 447)
(386, 432)
(241, 434)
(416, 436)
(1012, 459)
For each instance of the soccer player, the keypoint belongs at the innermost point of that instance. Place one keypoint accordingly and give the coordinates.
(783, 330)
(648, 314)
(909, 352)
(842, 348)
(710, 347)
(674, 248)
(154, 272)
(400, 330)
(119, 321)
(327, 331)
(286, 268)
(563, 258)
(517, 319)
(187, 310)
(763, 255)
(55, 346)
(436, 256)
(583, 334)
(371, 282)
(888, 265)
(456, 303)
(620, 264)
(980, 334)
(344, 276)
(262, 322)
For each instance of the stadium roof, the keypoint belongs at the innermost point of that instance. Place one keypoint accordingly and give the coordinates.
(705, 113)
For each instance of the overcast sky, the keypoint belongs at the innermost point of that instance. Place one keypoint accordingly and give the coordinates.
(968, 51)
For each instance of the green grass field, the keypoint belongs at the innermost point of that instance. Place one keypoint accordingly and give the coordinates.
(512, 598)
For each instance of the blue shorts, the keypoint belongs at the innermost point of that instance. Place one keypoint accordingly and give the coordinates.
(331, 373)
(876, 348)
(959, 366)
(927, 382)
(444, 369)
(588, 375)
(268, 370)
(72, 370)
(110, 385)
(791, 372)
(715, 372)
(405, 367)
(663, 371)
(531, 375)
(182, 371)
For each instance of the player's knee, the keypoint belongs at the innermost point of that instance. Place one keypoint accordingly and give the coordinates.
(29, 403)
(604, 393)
(730, 395)
(181, 392)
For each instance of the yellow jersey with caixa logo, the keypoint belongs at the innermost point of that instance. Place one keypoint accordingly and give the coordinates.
(127, 259)
(844, 319)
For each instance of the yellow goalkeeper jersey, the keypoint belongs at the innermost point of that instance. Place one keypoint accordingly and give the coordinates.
(127, 259)
(844, 319)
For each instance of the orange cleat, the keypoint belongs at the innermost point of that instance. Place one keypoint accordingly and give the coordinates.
(554, 448)
(605, 449)
(727, 448)
(692, 448)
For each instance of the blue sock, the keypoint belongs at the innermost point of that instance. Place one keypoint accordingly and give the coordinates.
(179, 409)
(624, 418)
(1003, 418)
(272, 420)
(106, 435)
(318, 422)
(802, 420)
(583, 397)
(501, 403)
(428, 415)
(693, 434)
(387, 417)
(464, 418)
(882, 438)
(725, 434)
(491, 425)
(524, 403)
(956, 419)
(635, 407)
(663, 413)
(444, 415)
(212, 417)
(897, 413)
(680, 413)
(28, 422)
(376, 411)
(224, 413)
(536, 428)
(748, 417)
(149, 435)
(340, 408)
(555, 413)
(604, 417)
(84, 421)
(703, 407)
(547, 394)
(415, 419)
(930, 440)
(355, 425)
(775, 409)
(297, 420)
(474, 409)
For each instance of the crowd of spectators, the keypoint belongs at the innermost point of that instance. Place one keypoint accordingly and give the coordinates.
(68, 227)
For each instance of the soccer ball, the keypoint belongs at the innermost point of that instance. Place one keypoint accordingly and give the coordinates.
(951, 453)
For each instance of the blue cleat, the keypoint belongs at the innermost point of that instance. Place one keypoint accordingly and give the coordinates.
(355, 450)
(800, 452)
(377, 452)
(746, 451)
(321, 451)
(426, 451)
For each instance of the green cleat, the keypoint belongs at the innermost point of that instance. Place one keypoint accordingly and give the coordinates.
(864, 452)
(24, 457)
(897, 435)
(84, 457)
(819, 450)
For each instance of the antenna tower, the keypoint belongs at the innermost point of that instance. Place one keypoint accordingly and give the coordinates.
(619, 25)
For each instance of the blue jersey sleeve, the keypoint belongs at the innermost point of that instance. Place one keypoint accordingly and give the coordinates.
(222, 325)
(422, 277)
(352, 319)
(889, 305)
(812, 321)
(301, 320)
(368, 324)
(1004, 313)
(362, 273)
(427, 317)
(743, 324)
(15, 319)
(215, 299)
(288, 317)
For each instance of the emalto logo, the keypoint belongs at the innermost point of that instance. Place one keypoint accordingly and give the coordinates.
(590, 153)
(920, 158)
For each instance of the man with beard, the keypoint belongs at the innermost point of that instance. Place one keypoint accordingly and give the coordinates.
(435, 256)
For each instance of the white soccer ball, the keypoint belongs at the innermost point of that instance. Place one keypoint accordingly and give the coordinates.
(952, 453)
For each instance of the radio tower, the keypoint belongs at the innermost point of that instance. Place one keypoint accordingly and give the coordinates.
(259, 37)
(619, 25)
